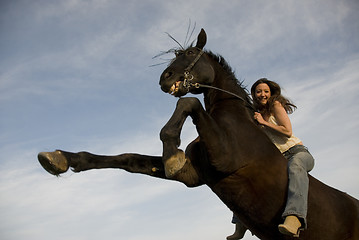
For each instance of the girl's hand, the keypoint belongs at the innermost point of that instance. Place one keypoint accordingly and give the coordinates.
(258, 116)
(283, 125)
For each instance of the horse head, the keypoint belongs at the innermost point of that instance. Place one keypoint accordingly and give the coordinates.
(188, 69)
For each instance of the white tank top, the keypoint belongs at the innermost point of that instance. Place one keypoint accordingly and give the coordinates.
(282, 142)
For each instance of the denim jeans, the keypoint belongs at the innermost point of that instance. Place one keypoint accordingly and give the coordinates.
(300, 162)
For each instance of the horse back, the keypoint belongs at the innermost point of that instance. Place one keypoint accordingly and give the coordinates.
(332, 214)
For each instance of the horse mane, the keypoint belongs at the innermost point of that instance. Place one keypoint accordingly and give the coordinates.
(244, 93)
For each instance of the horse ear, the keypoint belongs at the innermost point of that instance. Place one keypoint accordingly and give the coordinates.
(201, 39)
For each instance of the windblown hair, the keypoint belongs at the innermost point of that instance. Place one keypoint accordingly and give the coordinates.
(276, 95)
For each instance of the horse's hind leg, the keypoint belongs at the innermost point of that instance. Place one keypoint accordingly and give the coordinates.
(58, 162)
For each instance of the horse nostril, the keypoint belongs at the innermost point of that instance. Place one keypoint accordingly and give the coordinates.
(168, 74)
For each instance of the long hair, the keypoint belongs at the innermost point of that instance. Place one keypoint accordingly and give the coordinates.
(276, 95)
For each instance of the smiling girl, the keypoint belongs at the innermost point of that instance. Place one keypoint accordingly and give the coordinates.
(272, 115)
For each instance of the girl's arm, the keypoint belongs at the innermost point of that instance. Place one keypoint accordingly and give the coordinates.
(284, 125)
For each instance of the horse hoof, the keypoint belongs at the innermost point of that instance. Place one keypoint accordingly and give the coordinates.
(175, 163)
(53, 162)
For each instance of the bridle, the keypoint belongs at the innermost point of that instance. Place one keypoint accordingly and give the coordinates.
(188, 78)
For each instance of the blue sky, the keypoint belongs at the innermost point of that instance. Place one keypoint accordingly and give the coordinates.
(75, 75)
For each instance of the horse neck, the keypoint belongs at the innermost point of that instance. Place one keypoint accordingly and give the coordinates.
(228, 83)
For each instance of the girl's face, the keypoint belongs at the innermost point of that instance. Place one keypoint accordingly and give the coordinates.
(262, 93)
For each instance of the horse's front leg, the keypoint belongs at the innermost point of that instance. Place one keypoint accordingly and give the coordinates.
(173, 158)
(58, 162)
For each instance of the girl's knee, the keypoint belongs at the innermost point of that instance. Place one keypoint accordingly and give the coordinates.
(302, 161)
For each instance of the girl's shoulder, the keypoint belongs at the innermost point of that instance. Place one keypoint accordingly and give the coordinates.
(278, 109)
(277, 104)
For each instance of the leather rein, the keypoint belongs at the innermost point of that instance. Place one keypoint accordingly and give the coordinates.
(188, 78)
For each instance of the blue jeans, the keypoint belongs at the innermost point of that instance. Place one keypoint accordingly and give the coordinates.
(300, 162)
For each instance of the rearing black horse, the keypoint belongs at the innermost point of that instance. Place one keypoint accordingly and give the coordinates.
(231, 154)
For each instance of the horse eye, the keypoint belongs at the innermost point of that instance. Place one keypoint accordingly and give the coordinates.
(190, 52)
(178, 53)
